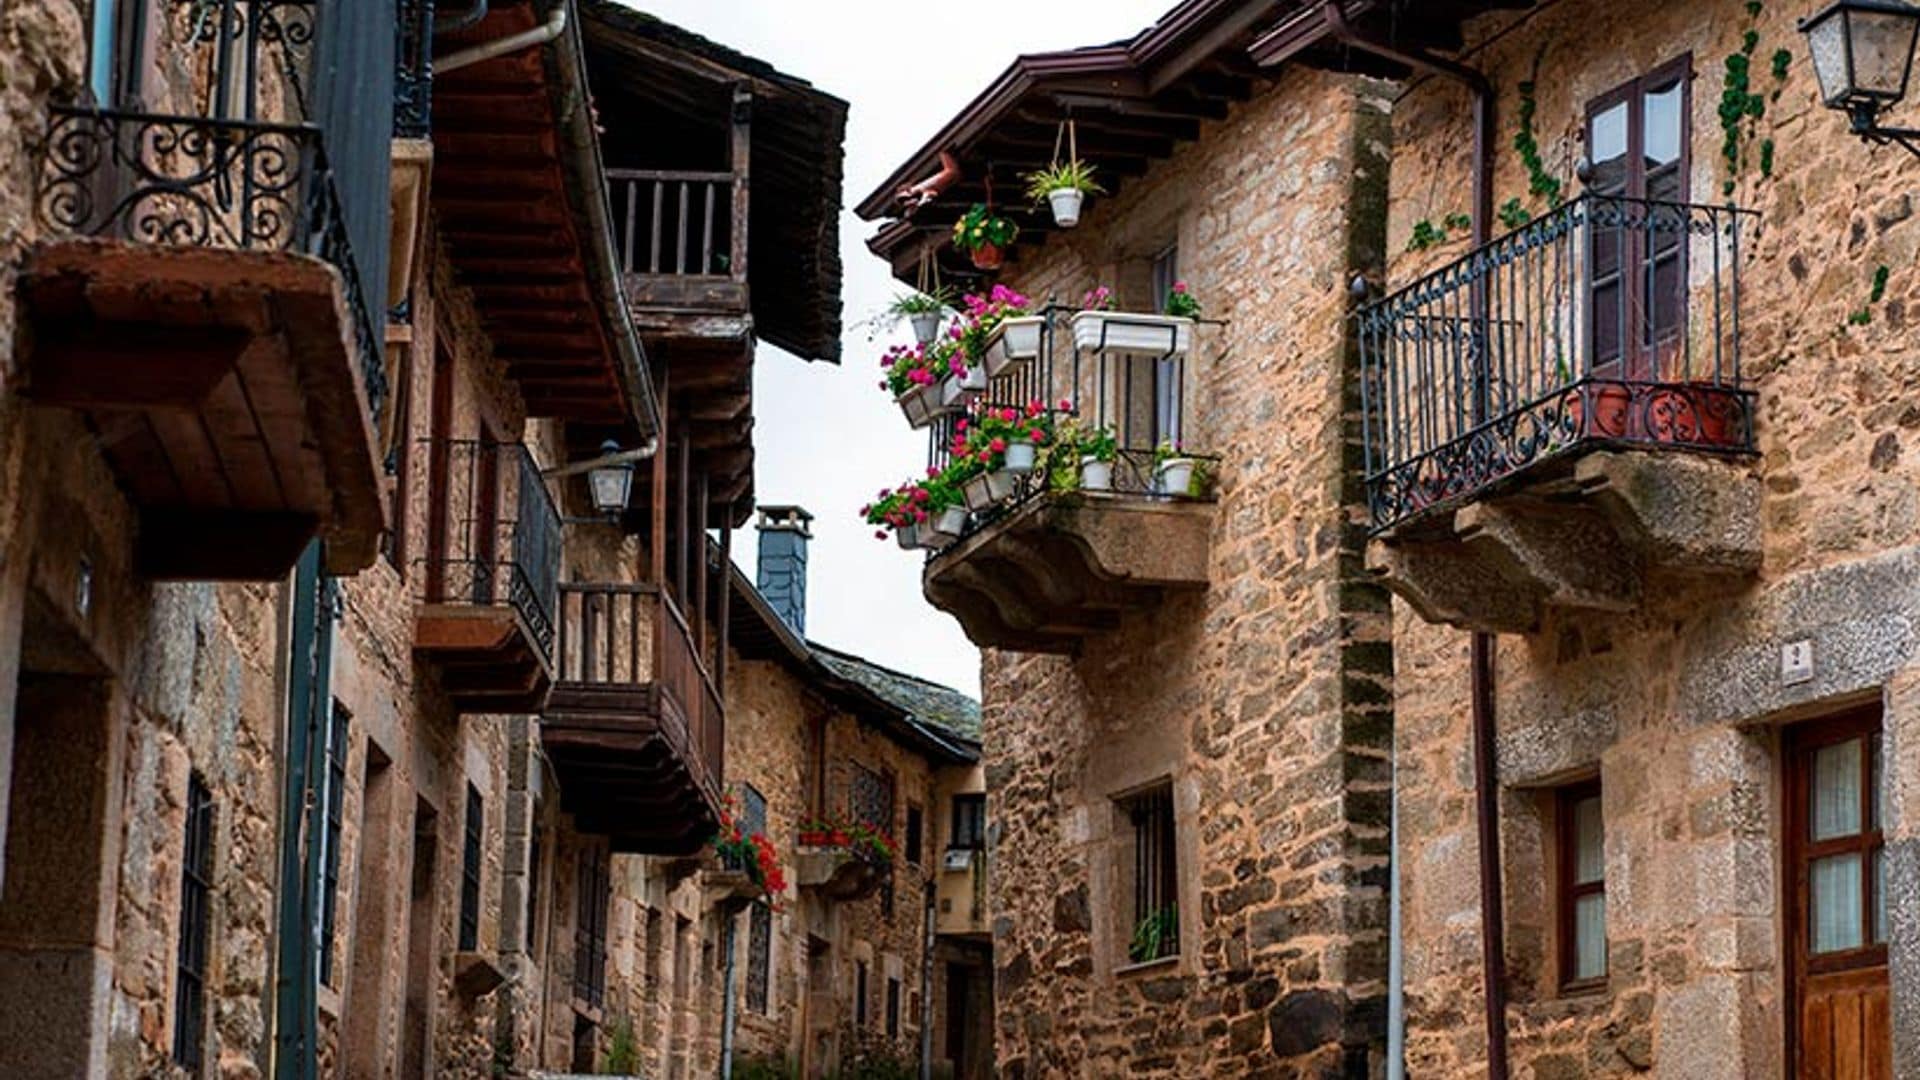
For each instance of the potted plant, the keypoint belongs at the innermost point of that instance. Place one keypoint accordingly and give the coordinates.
(1156, 936)
(998, 333)
(923, 310)
(748, 854)
(984, 236)
(1063, 185)
(946, 512)
(913, 376)
(897, 513)
(1098, 448)
(1173, 470)
(995, 449)
(1099, 329)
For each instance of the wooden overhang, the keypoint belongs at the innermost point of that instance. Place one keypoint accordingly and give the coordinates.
(629, 769)
(1133, 103)
(520, 196)
(670, 100)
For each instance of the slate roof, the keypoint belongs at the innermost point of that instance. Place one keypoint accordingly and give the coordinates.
(929, 702)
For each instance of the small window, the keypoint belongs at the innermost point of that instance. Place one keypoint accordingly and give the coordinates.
(1839, 847)
(893, 1008)
(196, 892)
(533, 879)
(1155, 916)
(336, 797)
(470, 872)
(753, 810)
(590, 931)
(860, 993)
(870, 799)
(969, 822)
(915, 824)
(1582, 907)
(759, 956)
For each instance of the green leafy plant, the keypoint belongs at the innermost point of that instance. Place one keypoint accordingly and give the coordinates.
(1782, 60)
(765, 1068)
(1526, 143)
(1864, 315)
(1156, 936)
(1099, 443)
(1513, 213)
(1074, 174)
(931, 302)
(980, 227)
(1426, 234)
(623, 1052)
(1181, 303)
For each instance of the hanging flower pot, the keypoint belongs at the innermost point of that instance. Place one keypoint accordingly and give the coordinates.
(1014, 343)
(960, 389)
(1095, 474)
(984, 491)
(984, 236)
(944, 528)
(1066, 206)
(987, 257)
(908, 536)
(1020, 458)
(926, 326)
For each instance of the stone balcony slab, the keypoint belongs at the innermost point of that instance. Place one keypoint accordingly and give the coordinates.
(1595, 537)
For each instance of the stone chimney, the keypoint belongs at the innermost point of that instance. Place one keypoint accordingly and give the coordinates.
(782, 578)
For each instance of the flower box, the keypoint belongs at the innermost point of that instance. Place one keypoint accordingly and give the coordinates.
(908, 536)
(958, 391)
(943, 528)
(1013, 344)
(1129, 333)
(922, 404)
(988, 490)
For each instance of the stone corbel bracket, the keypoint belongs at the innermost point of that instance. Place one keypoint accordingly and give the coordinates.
(1628, 522)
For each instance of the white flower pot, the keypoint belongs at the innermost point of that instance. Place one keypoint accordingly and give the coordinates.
(1134, 334)
(1175, 476)
(1013, 343)
(944, 528)
(922, 404)
(1020, 457)
(988, 490)
(926, 326)
(1096, 475)
(908, 536)
(957, 391)
(1066, 206)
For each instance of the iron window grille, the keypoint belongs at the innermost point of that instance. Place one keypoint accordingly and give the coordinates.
(590, 930)
(1155, 927)
(337, 746)
(196, 894)
(475, 830)
(759, 956)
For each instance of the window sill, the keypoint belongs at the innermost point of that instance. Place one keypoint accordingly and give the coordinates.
(1165, 963)
(1583, 988)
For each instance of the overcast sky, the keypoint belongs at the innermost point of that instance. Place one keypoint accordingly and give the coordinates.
(828, 438)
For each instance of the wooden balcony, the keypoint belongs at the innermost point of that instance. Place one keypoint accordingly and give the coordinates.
(485, 619)
(1558, 420)
(1048, 570)
(635, 726)
(198, 300)
(682, 238)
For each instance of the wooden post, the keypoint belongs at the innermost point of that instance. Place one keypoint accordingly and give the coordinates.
(726, 605)
(698, 544)
(683, 490)
(742, 144)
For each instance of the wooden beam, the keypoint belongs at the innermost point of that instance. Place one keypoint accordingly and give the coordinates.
(93, 363)
(208, 545)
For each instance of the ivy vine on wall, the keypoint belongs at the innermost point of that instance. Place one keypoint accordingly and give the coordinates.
(1741, 107)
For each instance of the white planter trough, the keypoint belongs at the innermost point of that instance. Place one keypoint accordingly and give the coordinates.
(944, 528)
(1134, 334)
(1014, 343)
(921, 404)
(1020, 458)
(908, 536)
(1175, 476)
(926, 326)
(988, 490)
(1096, 475)
(957, 391)
(1066, 206)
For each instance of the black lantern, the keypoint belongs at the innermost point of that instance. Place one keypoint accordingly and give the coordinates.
(1863, 57)
(610, 485)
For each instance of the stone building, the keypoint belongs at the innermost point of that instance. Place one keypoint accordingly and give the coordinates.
(377, 411)
(1581, 329)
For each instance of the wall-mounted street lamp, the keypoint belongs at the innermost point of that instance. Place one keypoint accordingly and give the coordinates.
(1863, 56)
(611, 483)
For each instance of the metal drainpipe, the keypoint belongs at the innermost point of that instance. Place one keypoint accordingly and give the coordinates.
(926, 988)
(1481, 649)
(726, 997)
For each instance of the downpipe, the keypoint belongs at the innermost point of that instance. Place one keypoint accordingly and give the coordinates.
(1486, 792)
(548, 31)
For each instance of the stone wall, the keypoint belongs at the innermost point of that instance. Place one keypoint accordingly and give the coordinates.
(1261, 700)
(1678, 707)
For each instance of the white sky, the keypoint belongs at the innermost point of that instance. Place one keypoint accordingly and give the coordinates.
(828, 438)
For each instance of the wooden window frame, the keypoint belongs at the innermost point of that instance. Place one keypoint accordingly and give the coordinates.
(1567, 892)
(957, 838)
(1801, 741)
(196, 899)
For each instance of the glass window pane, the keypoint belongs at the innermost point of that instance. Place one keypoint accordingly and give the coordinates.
(1589, 846)
(1882, 50)
(1590, 936)
(1880, 895)
(1836, 790)
(1834, 887)
(1607, 146)
(1664, 125)
(1878, 783)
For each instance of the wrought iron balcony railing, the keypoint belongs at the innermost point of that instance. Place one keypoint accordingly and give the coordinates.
(413, 71)
(1610, 321)
(497, 541)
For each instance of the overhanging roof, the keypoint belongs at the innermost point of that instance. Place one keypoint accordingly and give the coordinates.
(683, 83)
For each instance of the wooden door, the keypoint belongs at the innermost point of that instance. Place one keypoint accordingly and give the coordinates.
(1839, 1024)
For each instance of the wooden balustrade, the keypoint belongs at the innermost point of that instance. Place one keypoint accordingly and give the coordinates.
(680, 223)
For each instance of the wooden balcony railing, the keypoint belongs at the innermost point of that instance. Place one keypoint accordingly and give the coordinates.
(631, 635)
(680, 223)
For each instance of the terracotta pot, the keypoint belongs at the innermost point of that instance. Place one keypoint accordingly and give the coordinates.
(1717, 427)
(988, 257)
(1599, 411)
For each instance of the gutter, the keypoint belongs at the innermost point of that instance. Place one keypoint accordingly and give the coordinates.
(586, 178)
